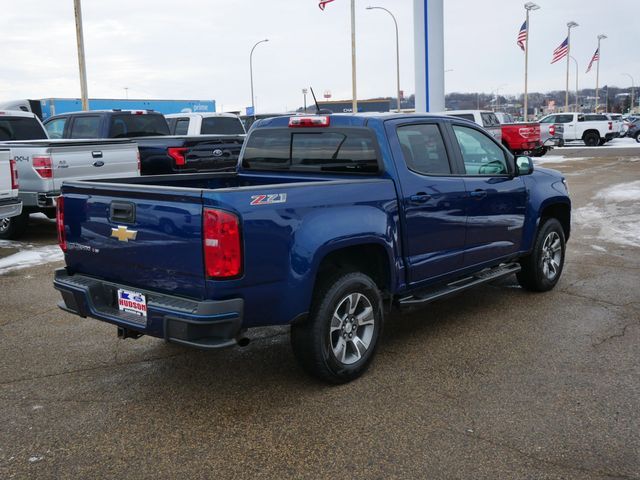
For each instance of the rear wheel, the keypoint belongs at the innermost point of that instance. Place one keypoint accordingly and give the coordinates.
(591, 139)
(12, 228)
(541, 269)
(339, 339)
(637, 137)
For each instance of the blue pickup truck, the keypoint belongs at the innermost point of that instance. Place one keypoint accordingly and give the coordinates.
(328, 223)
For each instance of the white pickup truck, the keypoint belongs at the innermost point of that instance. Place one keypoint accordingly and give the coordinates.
(592, 128)
(205, 124)
(10, 204)
(42, 166)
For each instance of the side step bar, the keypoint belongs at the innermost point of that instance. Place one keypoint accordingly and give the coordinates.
(439, 292)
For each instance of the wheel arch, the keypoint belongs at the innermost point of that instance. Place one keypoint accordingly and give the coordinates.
(561, 211)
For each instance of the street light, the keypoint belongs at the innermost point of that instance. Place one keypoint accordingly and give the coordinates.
(397, 49)
(633, 87)
(529, 6)
(600, 38)
(304, 94)
(497, 90)
(253, 106)
(576, 62)
(570, 25)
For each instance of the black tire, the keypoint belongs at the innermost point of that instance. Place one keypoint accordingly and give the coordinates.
(591, 139)
(602, 142)
(534, 276)
(13, 228)
(637, 136)
(313, 340)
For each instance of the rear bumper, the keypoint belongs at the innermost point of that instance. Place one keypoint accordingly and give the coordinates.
(203, 324)
(10, 208)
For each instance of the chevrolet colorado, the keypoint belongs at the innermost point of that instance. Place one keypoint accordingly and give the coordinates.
(327, 224)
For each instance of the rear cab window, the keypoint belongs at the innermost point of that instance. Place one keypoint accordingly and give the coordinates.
(221, 126)
(127, 125)
(181, 126)
(20, 128)
(345, 150)
(489, 119)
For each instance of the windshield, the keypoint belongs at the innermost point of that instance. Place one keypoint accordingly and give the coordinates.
(21, 128)
(221, 126)
(130, 125)
(344, 151)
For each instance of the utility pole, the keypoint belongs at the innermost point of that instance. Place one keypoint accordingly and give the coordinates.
(84, 95)
(600, 37)
(570, 25)
(354, 93)
(304, 95)
(528, 7)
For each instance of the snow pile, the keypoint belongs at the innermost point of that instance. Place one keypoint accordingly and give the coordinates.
(29, 256)
(615, 213)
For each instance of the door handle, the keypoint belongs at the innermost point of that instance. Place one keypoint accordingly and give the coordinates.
(420, 197)
(479, 193)
(96, 154)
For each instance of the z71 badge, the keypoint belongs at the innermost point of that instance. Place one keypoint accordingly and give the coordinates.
(268, 199)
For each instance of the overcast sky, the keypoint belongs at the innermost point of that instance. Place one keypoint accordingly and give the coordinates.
(199, 49)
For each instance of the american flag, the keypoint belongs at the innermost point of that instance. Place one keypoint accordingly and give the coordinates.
(323, 3)
(522, 35)
(561, 52)
(595, 58)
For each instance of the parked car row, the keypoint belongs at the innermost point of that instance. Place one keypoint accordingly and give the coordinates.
(101, 145)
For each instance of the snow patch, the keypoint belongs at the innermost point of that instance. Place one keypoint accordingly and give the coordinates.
(36, 458)
(555, 159)
(30, 257)
(614, 214)
(598, 248)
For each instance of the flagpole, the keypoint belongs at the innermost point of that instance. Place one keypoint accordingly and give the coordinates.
(354, 100)
(528, 7)
(570, 25)
(600, 37)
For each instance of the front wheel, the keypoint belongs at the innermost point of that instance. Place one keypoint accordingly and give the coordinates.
(541, 269)
(338, 340)
(638, 137)
(591, 139)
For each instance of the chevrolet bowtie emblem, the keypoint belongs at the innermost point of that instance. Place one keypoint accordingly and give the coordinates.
(123, 233)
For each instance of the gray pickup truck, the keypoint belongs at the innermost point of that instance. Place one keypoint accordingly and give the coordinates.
(43, 165)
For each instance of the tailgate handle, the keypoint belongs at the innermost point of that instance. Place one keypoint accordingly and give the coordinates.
(96, 154)
(122, 212)
(98, 163)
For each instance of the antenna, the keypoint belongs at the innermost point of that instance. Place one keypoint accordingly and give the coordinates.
(314, 100)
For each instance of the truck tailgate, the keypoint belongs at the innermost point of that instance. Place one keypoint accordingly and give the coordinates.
(140, 236)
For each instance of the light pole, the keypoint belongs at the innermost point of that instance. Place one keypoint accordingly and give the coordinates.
(633, 88)
(600, 38)
(126, 92)
(529, 6)
(497, 90)
(84, 95)
(397, 49)
(253, 106)
(576, 62)
(304, 95)
(570, 25)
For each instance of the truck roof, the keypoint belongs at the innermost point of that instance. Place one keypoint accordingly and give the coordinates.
(347, 119)
(17, 113)
(201, 114)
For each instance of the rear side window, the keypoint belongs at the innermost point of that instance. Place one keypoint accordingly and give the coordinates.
(489, 120)
(55, 128)
(423, 149)
(20, 128)
(221, 126)
(85, 127)
(182, 126)
(339, 151)
(549, 119)
(466, 116)
(131, 125)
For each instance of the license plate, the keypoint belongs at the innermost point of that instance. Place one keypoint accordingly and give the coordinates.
(132, 302)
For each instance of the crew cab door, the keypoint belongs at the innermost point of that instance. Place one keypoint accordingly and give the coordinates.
(495, 200)
(432, 199)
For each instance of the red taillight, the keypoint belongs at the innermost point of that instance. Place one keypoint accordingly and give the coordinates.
(43, 166)
(14, 175)
(298, 122)
(221, 241)
(610, 125)
(62, 237)
(139, 166)
(178, 155)
(552, 130)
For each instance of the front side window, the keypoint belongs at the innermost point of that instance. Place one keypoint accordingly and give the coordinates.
(481, 155)
(549, 119)
(423, 149)
(86, 127)
(55, 128)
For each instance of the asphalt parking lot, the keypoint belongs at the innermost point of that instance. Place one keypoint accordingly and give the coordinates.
(497, 383)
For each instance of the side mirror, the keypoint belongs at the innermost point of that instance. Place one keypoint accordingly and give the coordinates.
(524, 165)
